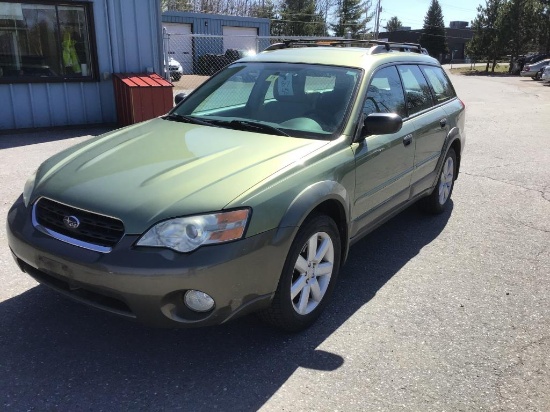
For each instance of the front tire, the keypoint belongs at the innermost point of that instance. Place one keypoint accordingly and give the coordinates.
(309, 275)
(439, 199)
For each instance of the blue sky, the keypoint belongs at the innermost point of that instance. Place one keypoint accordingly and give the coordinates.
(412, 12)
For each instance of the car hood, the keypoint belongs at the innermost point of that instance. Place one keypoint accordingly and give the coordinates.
(161, 169)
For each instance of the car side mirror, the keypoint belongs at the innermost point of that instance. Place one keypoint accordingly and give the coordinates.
(179, 97)
(381, 123)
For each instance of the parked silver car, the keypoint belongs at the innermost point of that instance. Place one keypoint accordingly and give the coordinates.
(531, 70)
(545, 76)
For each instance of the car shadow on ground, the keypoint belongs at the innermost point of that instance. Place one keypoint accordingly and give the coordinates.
(57, 354)
(17, 139)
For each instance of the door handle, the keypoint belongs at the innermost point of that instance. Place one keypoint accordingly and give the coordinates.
(407, 139)
(443, 122)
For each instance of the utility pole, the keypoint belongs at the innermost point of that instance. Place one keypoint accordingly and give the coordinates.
(377, 14)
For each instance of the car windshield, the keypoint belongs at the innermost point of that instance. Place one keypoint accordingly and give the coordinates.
(298, 100)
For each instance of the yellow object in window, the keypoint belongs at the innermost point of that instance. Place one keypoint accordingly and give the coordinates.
(70, 59)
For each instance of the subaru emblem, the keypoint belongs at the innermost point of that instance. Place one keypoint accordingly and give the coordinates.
(71, 222)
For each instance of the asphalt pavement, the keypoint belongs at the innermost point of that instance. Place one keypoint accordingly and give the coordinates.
(445, 313)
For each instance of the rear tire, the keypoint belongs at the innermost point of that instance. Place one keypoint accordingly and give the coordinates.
(309, 276)
(439, 199)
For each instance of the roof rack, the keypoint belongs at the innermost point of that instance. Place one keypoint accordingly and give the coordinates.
(377, 46)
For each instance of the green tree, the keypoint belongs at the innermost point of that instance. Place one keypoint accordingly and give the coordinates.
(489, 40)
(518, 26)
(300, 18)
(267, 9)
(263, 9)
(176, 5)
(543, 24)
(393, 24)
(476, 48)
(352, 15)
(433, 32)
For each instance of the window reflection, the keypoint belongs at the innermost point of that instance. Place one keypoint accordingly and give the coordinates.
(385, 93)
(44, 41)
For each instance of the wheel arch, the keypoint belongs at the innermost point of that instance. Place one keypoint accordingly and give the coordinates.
(457, 146)
(454, 142)
(327, 197)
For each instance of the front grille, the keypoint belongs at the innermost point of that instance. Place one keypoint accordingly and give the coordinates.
(93, 228)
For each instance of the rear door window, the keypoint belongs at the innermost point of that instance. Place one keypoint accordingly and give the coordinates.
(441, 86)
(417, 91)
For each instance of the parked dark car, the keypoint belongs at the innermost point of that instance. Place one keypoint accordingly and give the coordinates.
(210, 64)
(537, 58)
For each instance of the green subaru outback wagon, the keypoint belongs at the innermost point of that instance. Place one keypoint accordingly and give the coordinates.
(247, 196)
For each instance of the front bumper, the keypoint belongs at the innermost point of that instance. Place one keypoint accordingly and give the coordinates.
(148, 284)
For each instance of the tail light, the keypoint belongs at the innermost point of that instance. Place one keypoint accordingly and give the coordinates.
(462, 103)
(525, 68)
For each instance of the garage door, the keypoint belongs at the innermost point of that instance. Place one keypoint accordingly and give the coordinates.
(181, 45)
(239, 38)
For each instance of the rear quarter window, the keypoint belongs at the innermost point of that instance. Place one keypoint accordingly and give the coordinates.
(417, 90)
(440, 84)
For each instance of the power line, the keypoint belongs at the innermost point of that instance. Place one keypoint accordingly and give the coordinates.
(456, 7)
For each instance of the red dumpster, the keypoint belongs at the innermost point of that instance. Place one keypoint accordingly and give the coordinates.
(141, 97)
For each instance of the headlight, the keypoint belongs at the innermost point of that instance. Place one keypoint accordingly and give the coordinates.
(186, 234)
(29, 186)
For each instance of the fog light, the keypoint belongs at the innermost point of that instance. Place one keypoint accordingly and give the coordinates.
(198, 301)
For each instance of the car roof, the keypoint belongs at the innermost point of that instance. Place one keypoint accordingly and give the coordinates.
(544, 62)
(358, 57)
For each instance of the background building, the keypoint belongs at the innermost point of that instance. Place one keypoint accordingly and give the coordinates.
(57, 58)
(457, 37)
(458, 24)
(196, 35)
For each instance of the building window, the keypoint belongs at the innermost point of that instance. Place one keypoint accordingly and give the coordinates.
(48, 41)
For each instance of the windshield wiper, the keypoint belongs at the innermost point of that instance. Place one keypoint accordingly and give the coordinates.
(188, 119)
(257, 126)
(234, 124)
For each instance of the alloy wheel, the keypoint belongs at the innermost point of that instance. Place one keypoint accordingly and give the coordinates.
(446, 180)
(312, 272)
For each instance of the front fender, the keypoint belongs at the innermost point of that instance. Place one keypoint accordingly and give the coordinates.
(318, 195)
